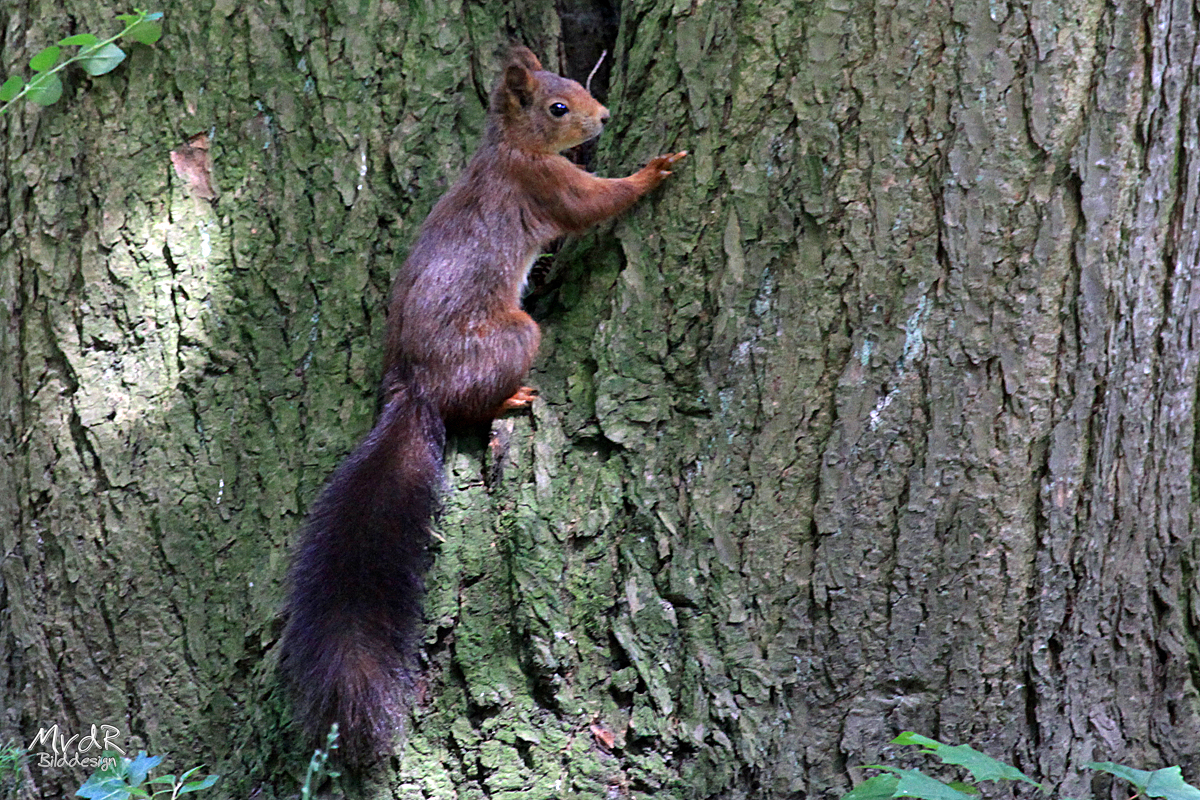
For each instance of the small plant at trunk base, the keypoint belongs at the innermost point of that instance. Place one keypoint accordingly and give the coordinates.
(96, 56)
(317, 768)
(11, 757)
(121, 778)
(1166, 783)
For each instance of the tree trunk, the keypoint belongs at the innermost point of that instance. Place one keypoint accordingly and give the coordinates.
(879, 415)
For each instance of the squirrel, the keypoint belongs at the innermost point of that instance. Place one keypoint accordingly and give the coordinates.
(457, 351)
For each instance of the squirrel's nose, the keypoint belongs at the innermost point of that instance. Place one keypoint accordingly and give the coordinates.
(603, 114)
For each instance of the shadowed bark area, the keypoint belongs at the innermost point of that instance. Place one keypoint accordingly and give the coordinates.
(880, 414)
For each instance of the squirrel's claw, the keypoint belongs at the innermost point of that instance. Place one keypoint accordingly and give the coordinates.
(520, 399)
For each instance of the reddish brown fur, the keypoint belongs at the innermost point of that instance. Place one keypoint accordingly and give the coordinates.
(467, 269)
(458, 347)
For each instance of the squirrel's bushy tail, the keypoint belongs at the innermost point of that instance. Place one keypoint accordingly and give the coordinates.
(354, 611)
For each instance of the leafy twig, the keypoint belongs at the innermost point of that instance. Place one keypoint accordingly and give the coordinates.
(905, 784)
(95, 56)
(120, 778)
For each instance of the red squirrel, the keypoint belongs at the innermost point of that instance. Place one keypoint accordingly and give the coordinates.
(458, 349)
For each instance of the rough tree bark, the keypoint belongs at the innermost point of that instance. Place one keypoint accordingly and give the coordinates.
(880, 415)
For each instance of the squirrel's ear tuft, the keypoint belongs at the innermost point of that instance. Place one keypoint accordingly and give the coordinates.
(519, 54)
(519, 81)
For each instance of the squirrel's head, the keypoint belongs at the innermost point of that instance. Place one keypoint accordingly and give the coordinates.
(543, 112)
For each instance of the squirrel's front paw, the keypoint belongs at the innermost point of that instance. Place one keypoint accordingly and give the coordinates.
(664, 163)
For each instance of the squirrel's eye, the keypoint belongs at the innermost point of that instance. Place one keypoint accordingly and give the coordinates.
(558, 109)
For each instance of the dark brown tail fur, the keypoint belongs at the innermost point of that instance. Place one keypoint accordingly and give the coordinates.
(354, 611)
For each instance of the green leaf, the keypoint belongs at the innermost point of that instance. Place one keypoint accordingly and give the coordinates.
(11, 88)
(196, 786)
(908, 737)
(1166, 782)
(140, 767)
(163, 779)
(964, 787)
(154, 16)
(45, 89)
(146, 32)
(1138, 777)
(104, 786)
(45, 59)
(879, 787)
(103, 60)
(81, 39)
(982, 767)
(918, 784)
